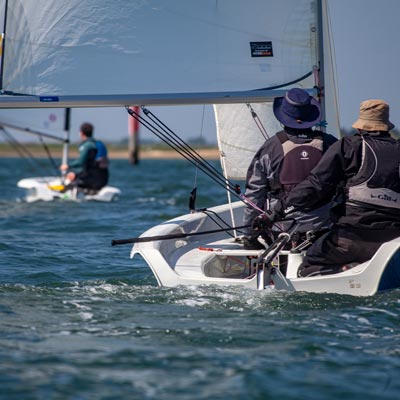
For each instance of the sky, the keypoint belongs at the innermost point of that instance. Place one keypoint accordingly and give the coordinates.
(367, 47)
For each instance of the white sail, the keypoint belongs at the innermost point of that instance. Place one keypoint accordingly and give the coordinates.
(41, 120)
(155, 51)
(240, 135)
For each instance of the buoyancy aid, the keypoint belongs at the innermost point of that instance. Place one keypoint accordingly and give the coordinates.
(101, 156)
(90, 163)
(377, 182)
(298, 159)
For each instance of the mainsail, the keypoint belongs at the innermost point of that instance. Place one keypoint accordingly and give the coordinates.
(44, 120)
(241, 128)
(98, 52)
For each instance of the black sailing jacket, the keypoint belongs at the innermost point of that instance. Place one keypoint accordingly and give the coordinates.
(367, 170)
(265, 172)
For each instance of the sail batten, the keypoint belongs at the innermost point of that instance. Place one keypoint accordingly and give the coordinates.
(166, 52)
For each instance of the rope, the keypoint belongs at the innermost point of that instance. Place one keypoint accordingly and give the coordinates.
(157, 127)
(258, 122)
(47, 150)
(171, 236)
(23, 152)
(214, 217)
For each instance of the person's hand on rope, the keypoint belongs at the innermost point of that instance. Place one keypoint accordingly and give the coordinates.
(264, 221)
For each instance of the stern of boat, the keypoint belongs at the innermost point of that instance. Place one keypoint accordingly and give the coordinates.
(105, 194)
(380, 273)
(213, 259)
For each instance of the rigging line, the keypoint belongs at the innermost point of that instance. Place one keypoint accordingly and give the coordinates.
(22, 150)
(201, 137)
(180, 142)
(185, 147)
(163, 136)
(144, 239)
(187, 156)
(34, 132)
(208, 212)
(214, 217)
(15, 145)
(257, 121)
(204, 166)
(160, 135)
(178, 148)
(251, 204)
(200, 163)
(184, 152)
(219, 178)
(51, 159)
(218, 217)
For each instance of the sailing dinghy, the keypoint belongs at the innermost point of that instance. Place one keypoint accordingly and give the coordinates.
(195, 249)
(48, 188)
(219, 259)
(223, 52)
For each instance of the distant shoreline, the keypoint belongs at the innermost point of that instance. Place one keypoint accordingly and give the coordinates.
(209, 153)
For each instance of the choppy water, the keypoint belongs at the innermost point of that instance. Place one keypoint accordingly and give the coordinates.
(80, 320)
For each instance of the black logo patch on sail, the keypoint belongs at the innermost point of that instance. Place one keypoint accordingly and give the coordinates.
(261, 49)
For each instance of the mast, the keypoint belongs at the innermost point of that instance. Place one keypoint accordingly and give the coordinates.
(67, 123)
(321, 67)
(327, 86)
(3, 45)
(133, 131)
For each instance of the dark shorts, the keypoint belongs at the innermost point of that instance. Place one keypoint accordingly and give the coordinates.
(94, 180)
(343, 247)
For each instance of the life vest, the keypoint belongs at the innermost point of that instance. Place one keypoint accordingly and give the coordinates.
(101, 156)
(377, 182)
(90, 163)
(298, 160)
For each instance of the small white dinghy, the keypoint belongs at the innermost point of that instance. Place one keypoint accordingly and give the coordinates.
(51, 188)
(220, 259)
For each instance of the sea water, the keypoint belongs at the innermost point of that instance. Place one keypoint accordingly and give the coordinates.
(80, 320)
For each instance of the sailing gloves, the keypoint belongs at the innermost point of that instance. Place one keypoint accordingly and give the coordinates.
(261, 226)
(264, 221)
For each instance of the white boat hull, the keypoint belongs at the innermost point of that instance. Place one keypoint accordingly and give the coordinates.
(217, 259)
(47, 189)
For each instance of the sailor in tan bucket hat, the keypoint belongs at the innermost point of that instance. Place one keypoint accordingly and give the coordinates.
(365, 167)
(374, 116)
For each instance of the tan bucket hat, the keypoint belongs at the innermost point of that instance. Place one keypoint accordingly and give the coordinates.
(373, 116)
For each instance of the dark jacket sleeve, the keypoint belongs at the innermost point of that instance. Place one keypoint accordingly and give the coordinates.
(321, 186)
(257, 184)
